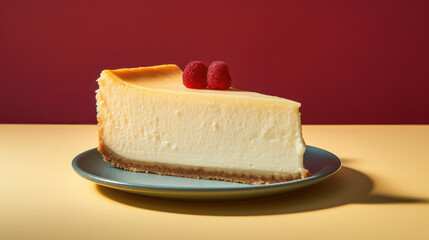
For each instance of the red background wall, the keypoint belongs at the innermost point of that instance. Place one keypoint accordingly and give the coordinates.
(345, 61)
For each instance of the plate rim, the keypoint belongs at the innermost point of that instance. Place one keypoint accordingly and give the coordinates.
(246, 187)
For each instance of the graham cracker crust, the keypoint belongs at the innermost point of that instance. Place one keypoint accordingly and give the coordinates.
(183, 171)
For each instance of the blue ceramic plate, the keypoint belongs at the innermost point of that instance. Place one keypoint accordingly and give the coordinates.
(90, 165)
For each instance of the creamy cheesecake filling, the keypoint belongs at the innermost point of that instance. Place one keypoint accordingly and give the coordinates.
(234, 131)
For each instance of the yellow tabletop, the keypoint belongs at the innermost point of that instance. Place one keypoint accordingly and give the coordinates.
(381, 192)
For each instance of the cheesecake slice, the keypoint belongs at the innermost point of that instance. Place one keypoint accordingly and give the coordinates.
(148, 121)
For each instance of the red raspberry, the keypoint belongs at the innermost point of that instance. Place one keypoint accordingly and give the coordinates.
(218, 76)
(195, 75)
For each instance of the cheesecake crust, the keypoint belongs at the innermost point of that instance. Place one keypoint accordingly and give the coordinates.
(190, 172)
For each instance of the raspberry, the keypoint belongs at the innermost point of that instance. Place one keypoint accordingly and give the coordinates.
(195, 75)
(218, 76)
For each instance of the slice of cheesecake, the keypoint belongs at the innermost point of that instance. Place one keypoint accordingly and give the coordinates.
(150, 122)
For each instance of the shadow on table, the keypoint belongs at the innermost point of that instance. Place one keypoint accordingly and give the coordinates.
(347, 186)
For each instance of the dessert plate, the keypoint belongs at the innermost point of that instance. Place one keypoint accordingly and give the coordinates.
(90, 165)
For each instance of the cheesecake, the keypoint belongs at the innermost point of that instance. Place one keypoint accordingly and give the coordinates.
(148, 121)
